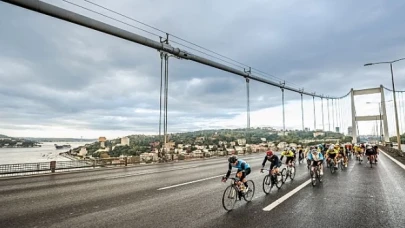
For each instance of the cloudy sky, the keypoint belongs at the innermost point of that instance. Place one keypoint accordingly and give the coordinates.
(61, 80)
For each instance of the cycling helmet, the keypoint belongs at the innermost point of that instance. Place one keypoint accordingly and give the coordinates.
(232, 159)
(269, 153)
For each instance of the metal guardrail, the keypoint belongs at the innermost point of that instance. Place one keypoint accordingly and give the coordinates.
(23, 169)
(58, 166)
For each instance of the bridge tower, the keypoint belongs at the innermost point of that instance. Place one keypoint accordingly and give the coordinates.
(383, 111)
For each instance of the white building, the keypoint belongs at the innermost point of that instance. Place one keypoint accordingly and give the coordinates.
(241, 142)
(319, 133)
(83, 152)
(125, 141)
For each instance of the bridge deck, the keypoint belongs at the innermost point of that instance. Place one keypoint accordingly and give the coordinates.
(129, 197)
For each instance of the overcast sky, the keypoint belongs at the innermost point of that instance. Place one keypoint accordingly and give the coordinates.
(58, 79)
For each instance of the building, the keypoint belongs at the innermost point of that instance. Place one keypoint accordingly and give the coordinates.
(125, 141)
(337, 129)
(102, 141)
(241, 142)
(318, 133)
(350, 131)
(83, 152)
(281, 133)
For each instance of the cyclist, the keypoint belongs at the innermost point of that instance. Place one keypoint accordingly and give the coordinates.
(243, 170)
(300, 153)
(316, 158)
(274, 162)
(375, 147)
(331, 154)
(294, 151)
(370, 151)
(359, 152)
(289, 156)
(342, 154)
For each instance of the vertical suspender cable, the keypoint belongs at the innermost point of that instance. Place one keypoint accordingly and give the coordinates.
(403, 108)
(160, 100)
(333, 116)
(313, 101)
(282, 98)
(166, 93)
(302, 112)
(323, 118)
(327, 103)
(248, 107)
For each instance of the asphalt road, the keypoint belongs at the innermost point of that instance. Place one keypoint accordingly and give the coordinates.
(188, 194)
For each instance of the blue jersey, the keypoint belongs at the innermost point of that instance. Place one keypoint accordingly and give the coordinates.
(313, 158)
(241, 165)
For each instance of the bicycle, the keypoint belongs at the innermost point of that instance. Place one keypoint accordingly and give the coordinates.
(341, 163)
(360, 157)
(317, 176)
(270, 180)
(331, 165)
(309, 166)
(371, 160)
(235, 192)
(289, 171)
(301, 157)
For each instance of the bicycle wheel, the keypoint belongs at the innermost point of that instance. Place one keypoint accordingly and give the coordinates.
(371, 162)
(284, 175)
(292, 173)
(318, 175)
(248, 196)
(279, 182)
(342, 165)
(313, 178)
(267, 184)
(332, 167)
(229, 198)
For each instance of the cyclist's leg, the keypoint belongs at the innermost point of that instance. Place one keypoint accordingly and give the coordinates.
(321, 167)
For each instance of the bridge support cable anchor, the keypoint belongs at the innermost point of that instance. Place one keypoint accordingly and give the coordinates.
(247, 102)
(282, 100)
(302, 111)
(313, 101)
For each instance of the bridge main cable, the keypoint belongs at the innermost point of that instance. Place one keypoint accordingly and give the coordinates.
(66, 15)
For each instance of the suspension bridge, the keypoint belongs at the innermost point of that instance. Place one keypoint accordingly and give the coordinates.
(126, 197)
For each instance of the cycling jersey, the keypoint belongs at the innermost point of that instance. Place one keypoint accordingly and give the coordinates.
(312, 157)
(241, 165)
(274, 161)
(332, 151)
(287, 154)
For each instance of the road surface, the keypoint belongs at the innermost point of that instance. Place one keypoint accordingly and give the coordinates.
(188, 194)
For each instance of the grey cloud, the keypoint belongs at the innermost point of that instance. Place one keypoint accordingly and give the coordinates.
(57, 73)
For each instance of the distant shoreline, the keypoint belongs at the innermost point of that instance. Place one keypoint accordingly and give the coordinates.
(33, 147)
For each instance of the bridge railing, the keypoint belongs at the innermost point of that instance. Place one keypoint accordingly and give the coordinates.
(60, 166)
(22, 169)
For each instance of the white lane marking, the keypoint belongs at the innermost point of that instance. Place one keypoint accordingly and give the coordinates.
(286, 196)
(394, 160)
(144, 173)
(177, 185)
